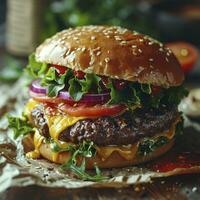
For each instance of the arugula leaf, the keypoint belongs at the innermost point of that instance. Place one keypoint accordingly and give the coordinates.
(20, 126)
(81, 173)
(84, 150)
(56, 148)
(146, 88)
(148, 145)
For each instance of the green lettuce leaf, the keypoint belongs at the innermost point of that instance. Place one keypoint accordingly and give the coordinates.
(36, 69)
(54, 82)
(127, 95)
(20, 126)
(77, 88)
(133, 94)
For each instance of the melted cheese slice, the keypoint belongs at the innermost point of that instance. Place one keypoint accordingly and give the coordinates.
(58, 123)
(130, 151)
(37, 140)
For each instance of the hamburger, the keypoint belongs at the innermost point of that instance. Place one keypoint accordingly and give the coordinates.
(102, 97)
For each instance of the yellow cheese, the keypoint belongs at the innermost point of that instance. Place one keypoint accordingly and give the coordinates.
(57, 123)
(129, 153)
(60, 122)
(126, 152)
(29, 107)
(38, 139)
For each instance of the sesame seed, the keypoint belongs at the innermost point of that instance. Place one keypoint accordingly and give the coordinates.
(151, 59)
(118, 38)
(133, 46)
(160, 44)
(93, 37)
(150, 43)
(151, 66)
(123, 42)
(140, 50)
(98, 53)
(134, 52)
(83, 49)
(107, 60)
(141, 40)
(135, 33)
(161, 49)
(167, 59)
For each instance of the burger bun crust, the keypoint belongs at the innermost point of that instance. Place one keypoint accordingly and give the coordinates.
(113, 161)
(113, 52)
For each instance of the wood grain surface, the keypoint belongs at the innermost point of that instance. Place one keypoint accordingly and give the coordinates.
(185, 187)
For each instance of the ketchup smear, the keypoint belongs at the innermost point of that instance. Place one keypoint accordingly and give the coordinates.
(175, 160)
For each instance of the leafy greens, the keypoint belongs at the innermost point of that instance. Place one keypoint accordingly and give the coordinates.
(83, 150)
(133, 94)
(20, 126)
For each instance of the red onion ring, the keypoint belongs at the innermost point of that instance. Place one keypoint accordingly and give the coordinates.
(40, 91)
(37, 88)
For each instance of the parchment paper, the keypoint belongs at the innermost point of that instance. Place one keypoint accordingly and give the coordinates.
(17, 170)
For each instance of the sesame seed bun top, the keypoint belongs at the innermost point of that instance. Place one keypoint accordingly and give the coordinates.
(114, 52)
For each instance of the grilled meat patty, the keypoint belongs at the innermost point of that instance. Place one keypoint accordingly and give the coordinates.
(120, 130)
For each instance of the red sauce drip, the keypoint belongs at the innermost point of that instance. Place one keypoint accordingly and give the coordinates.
(175, 160)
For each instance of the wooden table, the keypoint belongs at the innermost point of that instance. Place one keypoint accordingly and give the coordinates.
(183, 187)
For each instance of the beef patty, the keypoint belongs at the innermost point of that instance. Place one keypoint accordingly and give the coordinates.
(120, 130)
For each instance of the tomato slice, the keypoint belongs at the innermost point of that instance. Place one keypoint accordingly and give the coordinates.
(92, 111)
(78, 110)
(61, 69)
(186, 54)
(49, 100)
(155, 89)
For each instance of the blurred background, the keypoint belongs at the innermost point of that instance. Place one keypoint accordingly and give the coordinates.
(26, 23)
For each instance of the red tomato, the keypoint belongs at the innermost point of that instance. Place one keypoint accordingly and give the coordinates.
(49, 100)
(120, 84)
(79, 74)
(186, 53)
(92, 111)
(155, 89)
(61, 69)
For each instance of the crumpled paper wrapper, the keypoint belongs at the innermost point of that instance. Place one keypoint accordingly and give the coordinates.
(17, 170)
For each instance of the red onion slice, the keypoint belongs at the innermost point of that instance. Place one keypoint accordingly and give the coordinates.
(40, 91)
(37, 88)
(87, 98)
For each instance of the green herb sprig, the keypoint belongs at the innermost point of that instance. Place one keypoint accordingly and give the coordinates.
(83, 150)
(133, 94)
(149, 145)
(20, 126)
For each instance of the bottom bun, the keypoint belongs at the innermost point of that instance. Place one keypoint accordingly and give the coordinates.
(113, 161)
